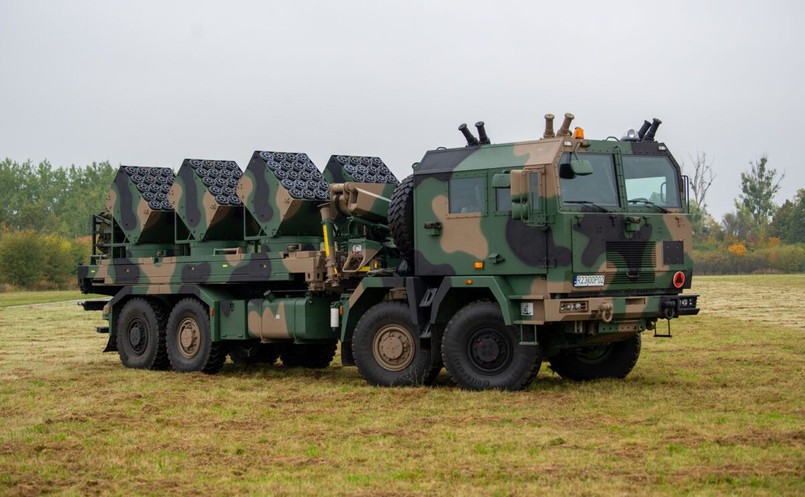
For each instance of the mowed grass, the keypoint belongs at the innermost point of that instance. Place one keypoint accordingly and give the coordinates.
(10, 299)
(717, 410)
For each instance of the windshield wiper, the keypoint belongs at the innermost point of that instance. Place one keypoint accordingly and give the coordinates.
(587, 203)
(647, 202)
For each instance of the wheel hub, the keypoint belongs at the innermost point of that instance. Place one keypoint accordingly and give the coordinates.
(189, 338)
(489, 351)
(137, 336)
(393, 348)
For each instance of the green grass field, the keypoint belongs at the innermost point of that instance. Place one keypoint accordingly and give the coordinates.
(717, 410)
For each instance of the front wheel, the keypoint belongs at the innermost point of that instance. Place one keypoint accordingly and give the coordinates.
(386, 348)
(609, 360)
(481, 353)
(189, 339)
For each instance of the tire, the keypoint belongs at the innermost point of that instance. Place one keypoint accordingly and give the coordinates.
(611, 360)
(140, 335)
(481, 353)
(401, 218)
(251, 352)
(189, 339)
(386, 348)
(308, 355)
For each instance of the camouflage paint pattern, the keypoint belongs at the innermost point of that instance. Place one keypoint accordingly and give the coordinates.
(138, 204)
(490, 221)
(203, 197)
(634, 248)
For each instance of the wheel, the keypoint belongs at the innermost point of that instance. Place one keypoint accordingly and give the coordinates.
(189, 340)
(481, 353)
(140, 335)
(251, 352)
(386, 348)
(308, 355)
(401, 217)
(610, 360)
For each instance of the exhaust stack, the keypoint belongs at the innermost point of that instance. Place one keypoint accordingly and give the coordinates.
(548, 126)
(484, 139)
(471, 140)
(652, 130)
(640, 134)
(565, 129)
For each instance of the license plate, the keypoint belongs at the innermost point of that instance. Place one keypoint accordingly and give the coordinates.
(588, 280)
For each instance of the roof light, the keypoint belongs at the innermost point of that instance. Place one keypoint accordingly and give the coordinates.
(578, 134)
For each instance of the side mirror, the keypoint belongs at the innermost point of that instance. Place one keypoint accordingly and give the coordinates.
(519, 190)
(581, 167)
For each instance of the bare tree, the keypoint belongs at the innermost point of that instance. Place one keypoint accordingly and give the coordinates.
(702, 180)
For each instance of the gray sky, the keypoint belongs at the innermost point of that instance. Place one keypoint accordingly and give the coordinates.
(153, 82)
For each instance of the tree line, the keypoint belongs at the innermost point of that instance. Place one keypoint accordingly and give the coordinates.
(45, 221)
(758, 235)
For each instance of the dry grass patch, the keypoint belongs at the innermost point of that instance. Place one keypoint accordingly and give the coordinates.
(717, 410)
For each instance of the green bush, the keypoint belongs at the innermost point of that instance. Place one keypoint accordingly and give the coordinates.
(776, 259)
(35, 261)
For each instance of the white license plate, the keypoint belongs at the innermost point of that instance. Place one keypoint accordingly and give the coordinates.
(588, 280)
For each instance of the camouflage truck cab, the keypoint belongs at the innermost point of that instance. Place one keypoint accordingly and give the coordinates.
(563, 247)
(486, 260)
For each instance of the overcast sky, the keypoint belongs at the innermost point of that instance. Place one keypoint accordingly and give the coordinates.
(153, 82)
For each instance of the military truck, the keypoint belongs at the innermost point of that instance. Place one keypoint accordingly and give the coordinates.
(487, 260)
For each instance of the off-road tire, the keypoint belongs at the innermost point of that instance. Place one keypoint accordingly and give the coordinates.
(386, 348)
(189, 339)
(481, 353)
(253, 352)
(612, 360)
(308, 355)
(140, 335)
(401, 217)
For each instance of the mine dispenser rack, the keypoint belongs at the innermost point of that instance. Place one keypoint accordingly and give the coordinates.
(367, 198)
(205, 201)
(282, 192)
(139, 219)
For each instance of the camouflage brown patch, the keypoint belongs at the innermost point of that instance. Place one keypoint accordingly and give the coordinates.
(538, 152)
(460, 234)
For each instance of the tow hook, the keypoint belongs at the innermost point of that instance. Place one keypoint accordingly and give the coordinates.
(606, 312)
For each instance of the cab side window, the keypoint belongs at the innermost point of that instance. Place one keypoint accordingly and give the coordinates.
(467, 195)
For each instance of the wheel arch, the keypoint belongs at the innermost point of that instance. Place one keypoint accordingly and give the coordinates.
(454, 293)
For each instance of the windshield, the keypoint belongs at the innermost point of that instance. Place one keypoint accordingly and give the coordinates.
(650, 180)
(598, 188)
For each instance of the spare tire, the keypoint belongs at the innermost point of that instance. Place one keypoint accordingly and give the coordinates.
(401, 218)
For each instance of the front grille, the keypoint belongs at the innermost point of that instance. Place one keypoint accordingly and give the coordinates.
(630, 278)
(634, 262)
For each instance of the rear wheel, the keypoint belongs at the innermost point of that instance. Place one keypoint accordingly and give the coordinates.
(308, 355)
(481, 353)
(386, 348)
(609, 360)
(189, 339)
(140, 335)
